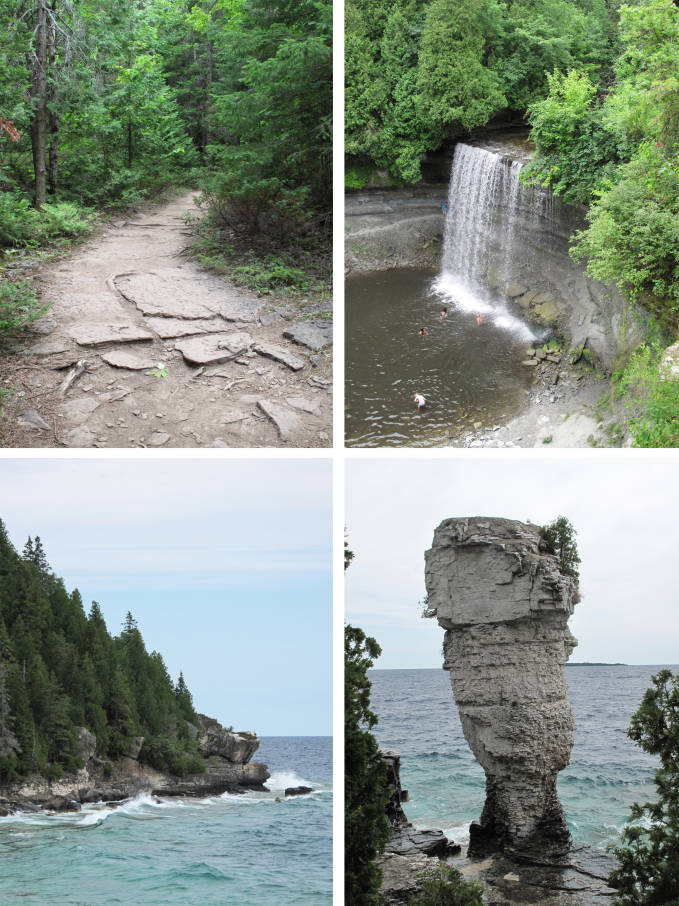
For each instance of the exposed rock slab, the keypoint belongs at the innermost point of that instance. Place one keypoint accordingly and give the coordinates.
(245, 310)
(279, 354)
(313, 407)
(286, 421)
(214, 349)
(309, 335)
(170, 328)
(100, 334)
(125, 358)
(78, 410)
(155, 294)
(504, 603)
(32, 419)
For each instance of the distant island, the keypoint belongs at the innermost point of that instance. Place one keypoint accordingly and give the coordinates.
(595, 664)
(86, 716)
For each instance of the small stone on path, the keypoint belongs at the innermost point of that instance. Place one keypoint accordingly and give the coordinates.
(157, 439)
(279, 354)
(214, 349)
(124, 358)
(31, 419)
(286, 421)
(313, 407)
(309, 335)
(78, 410)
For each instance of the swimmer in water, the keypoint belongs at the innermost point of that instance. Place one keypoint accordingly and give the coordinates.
(479, 319)
(444, 208)
(423, 332)
(420, 400)
(444, 313)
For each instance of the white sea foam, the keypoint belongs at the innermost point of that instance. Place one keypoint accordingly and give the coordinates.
(280, 780)
(459, 833)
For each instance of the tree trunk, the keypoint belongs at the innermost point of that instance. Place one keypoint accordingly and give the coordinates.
(52, 116)
(38, 68)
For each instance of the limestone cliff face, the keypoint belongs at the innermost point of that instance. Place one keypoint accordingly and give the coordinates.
(505, 604)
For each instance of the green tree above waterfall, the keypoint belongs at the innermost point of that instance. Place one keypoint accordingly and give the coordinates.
(419, 70)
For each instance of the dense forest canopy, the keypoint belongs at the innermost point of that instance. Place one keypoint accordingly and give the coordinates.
(61, 670)
(105, 102)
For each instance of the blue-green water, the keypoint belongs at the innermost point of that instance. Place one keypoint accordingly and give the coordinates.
(241, 850)
(607, 773)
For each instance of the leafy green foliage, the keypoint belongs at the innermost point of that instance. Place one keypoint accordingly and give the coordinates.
(648, 874)
(618, 148)
(19, 307)
(366, 790)
(417, 70)
(654, 402)
(559, 536)
(445, 886)
(60, 669)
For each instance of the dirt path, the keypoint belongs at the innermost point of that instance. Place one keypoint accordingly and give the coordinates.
(127, 304)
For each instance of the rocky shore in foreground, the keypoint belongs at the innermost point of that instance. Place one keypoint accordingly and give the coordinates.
(228, 768)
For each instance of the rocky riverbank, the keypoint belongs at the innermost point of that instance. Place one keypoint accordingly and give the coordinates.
(228, 768)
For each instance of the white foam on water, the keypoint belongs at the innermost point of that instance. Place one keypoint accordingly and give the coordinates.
(460, 297)
(459, 833)
(280, 780)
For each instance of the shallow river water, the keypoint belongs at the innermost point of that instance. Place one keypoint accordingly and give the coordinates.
(470, 374)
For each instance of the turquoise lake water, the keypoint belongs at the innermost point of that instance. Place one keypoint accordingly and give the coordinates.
(242, 850)
(607, 773)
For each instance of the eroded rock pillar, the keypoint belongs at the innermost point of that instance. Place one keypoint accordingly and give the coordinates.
(504, 604)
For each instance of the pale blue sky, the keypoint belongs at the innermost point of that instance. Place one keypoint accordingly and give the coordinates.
(225, 564)
(623, 505)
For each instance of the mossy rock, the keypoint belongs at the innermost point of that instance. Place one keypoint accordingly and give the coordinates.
(546, 312)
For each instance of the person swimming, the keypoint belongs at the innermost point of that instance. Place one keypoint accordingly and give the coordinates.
(479, 319)
(423, 332)
(420, 400)
(444, 208)
(444, 314)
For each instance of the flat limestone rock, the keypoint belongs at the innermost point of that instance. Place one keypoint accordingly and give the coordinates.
(279, 354)
(169, 297)
(246, 310)
(313, 407)
(124, 358)
(79, 437)
(214, 349)
(170, 328)
(286, 421)
(100, 334)
(309, 335)
(77, 411)
(51, 347)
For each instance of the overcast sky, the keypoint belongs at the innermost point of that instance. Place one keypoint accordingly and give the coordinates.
(225, 564)
(623, 507)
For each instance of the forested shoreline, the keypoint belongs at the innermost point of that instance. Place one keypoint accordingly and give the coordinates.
(61, 670)
(105, 104)
(595, 83)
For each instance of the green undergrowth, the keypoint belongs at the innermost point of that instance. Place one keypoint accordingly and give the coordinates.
(19, 307)
(256, 263)
(22, 226)
(445, 886)
(653, 403)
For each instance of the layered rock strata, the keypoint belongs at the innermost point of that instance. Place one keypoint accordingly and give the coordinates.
(504, 604)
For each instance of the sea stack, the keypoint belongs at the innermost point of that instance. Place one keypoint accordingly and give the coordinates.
(504, 603)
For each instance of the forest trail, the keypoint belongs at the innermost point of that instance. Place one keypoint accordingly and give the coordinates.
(127, 304)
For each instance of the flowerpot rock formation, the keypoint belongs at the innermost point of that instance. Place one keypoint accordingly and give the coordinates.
(504, 603)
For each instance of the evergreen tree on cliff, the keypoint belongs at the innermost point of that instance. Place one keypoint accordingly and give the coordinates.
(649, 853)
(366, 789)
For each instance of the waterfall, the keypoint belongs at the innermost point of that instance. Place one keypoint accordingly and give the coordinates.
(486, 206)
